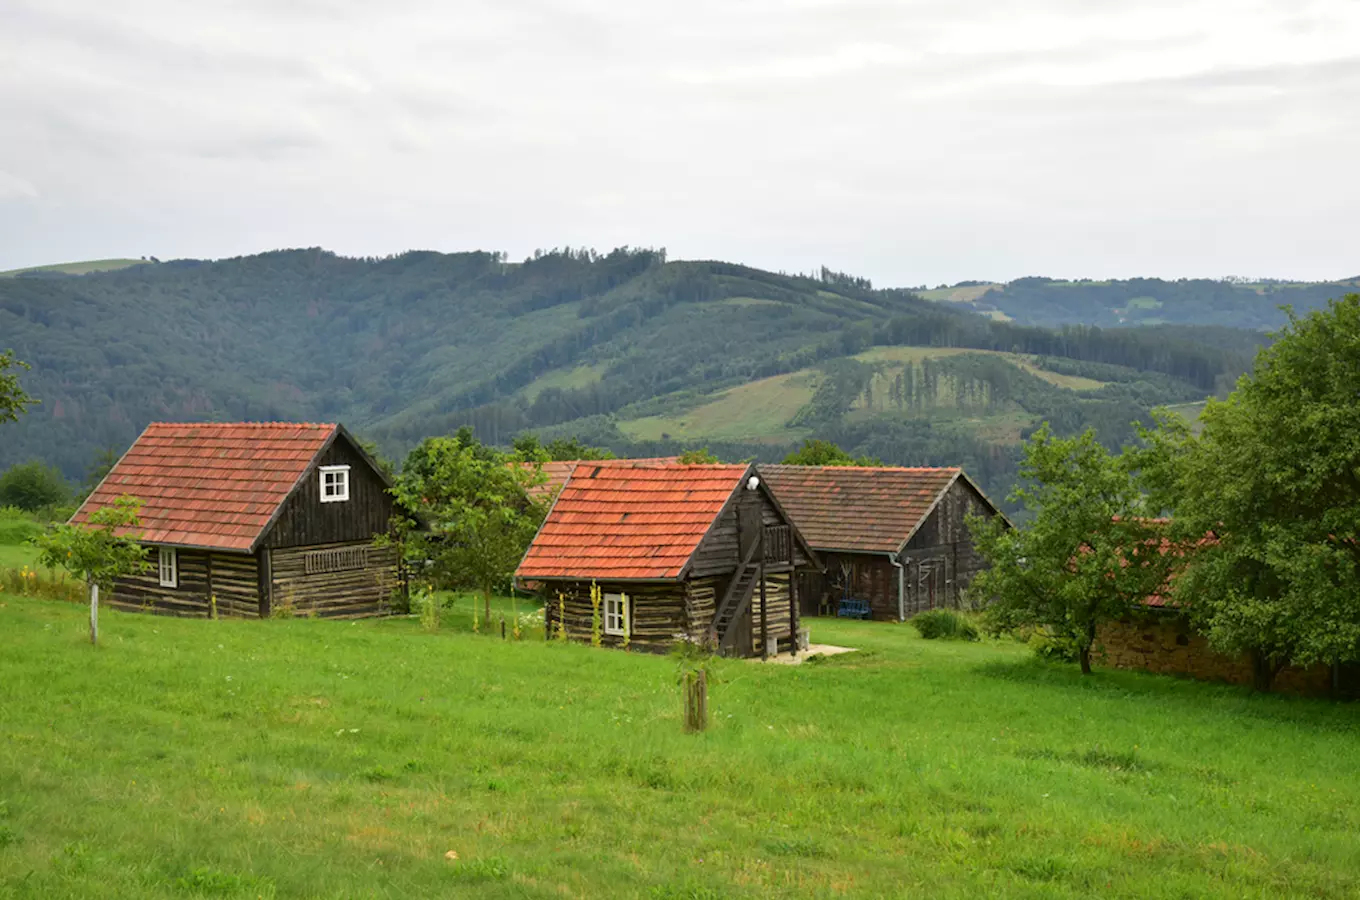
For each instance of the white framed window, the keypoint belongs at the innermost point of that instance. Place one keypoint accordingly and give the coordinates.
(169, 567)
(616, 614)
(334, 484)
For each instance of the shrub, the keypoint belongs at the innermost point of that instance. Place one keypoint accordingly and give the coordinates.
(53, 584)
(32, 486)
(16, 526)
(1049, 644)
(944, 624)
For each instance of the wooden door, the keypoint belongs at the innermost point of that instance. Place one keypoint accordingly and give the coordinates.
(749, 524)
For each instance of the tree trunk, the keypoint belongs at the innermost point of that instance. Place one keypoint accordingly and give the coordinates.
(1263, 672)
(94, 613)
(1085, 655)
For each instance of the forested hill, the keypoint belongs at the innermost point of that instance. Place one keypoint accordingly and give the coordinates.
(625, 349)
(1235, 303)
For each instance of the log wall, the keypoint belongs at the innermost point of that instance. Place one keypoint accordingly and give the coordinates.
(349, 593)
(658, 612)
(229, 577)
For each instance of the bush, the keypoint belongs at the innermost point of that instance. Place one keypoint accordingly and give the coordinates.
(1049, 644)
(32, 486)
(944, 624)
(17, 526)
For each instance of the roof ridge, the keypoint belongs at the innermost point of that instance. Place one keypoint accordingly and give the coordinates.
(248, 424)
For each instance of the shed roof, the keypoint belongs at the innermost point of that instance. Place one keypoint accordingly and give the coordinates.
(558, 472)
(212, 485)
(858, 509)
(629, 520)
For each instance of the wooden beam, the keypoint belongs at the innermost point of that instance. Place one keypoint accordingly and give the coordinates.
(793, 613)
(764, 606)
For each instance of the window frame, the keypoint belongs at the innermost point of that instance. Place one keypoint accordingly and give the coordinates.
(339, 496)
(625, 626)
(167, 554)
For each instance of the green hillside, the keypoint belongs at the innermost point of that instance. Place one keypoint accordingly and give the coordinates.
(76, 268)
(625, 349)
(1141, 301)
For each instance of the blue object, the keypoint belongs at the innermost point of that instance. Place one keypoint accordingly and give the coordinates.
(853, 608)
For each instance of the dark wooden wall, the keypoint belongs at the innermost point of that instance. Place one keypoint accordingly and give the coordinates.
(230, 577)
(659, 612)
(719, 552)
(941, 560)
(349, 594)
(870, 577)
(306, 521)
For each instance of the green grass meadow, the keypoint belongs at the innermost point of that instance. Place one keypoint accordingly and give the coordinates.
(306, 758)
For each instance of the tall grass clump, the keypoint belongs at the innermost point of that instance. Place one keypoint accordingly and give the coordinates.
(944, 624)
(50, 584)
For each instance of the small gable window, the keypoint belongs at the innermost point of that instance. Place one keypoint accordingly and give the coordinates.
(616, 614)
(334, 484)
(169, 567)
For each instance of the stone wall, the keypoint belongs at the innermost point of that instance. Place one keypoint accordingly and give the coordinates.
(1166, 644)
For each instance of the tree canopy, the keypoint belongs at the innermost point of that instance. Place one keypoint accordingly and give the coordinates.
(817, 452)
(33, 486)
(476, 508)
(13, 399)
(1089, 553)
(1274, 477)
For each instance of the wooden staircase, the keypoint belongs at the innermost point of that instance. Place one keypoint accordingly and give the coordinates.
(735, 602)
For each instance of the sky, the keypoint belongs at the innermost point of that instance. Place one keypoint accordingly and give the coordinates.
(912, 142)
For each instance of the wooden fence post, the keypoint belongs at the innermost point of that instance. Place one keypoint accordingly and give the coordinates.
(94, 613)
(696, 701)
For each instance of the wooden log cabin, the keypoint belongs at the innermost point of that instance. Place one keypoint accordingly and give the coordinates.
(703, 552)
(250, 519)
(893, 538)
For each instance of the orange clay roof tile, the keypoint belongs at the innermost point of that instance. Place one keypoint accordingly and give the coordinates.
(210, 485)
(629, 519)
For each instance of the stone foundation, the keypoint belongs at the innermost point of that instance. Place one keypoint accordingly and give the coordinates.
(1167, 645)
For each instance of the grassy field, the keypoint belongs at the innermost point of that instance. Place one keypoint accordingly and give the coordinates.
(578, 377)
(328, 759)
(78, 268)
(760, 409)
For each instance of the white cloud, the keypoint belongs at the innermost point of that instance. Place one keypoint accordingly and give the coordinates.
(925, 140)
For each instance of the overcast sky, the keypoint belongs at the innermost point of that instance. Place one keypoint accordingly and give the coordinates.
(915, 141)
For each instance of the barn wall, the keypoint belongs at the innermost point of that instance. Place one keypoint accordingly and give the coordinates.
(202, 575)
(719, 552)
(940, 557)
(659, 611)
(781, 623)
(361, 584)
(306, 521)
(1168, 645)
(869, 576)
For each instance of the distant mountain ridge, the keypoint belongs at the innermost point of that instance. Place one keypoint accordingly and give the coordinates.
(625, 348)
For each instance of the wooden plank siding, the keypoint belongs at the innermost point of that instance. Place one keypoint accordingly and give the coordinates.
(939, 563)
(230, 577)
(658, 611)
(304, 521)
(719, 552)
(351, 592)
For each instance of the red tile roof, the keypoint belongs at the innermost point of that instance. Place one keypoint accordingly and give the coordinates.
(861, 510)
(558, 472)
(210, 485)
(629, 519)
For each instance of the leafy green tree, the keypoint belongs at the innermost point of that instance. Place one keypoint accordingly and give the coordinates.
(1088, 555)
(476, 505)
(698, 457)
(32, 486)
(97, 551)
(817, 452)
(13, 400)
(1275, 478)
(529, 448)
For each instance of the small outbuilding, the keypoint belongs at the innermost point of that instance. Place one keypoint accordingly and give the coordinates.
(892, 540)
(695, 551)
(244, 519)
